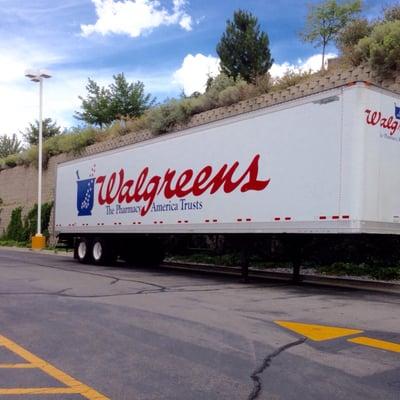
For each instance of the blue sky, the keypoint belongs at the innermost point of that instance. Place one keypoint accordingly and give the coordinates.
(167, 44)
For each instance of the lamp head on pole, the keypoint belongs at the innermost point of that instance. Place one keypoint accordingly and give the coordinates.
(37, 75)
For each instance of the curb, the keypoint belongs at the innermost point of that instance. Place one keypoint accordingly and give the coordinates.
(349, 283)
(29, 250)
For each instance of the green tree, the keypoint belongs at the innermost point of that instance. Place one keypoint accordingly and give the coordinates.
(9, 145)
(381, 49)
(128, 100)
(50, 129)
(243, 48)
(119, 100)
(325, 20)
(97, 105)
(349, 37)
(30, 221)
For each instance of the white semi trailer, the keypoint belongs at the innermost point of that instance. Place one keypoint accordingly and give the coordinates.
(327, 163)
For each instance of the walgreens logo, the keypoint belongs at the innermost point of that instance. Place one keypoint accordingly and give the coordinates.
(390, 123)
(118, 188)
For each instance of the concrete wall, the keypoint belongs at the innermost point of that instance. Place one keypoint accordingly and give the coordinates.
(18, 185)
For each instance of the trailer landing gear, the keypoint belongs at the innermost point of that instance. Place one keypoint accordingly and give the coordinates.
(296, 245)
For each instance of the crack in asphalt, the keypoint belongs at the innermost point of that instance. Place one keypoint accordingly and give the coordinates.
(113, 279)
(255, 376)
(61, 293)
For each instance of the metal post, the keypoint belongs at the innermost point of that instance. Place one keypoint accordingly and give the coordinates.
(39, 241)
(39, 212)
(296, 243)
(244, 258)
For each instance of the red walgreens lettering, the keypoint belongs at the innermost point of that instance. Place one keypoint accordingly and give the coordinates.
(187, 183)
(375, 117)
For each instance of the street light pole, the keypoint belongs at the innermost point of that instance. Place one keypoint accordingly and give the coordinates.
(39, 241)
(40, 161)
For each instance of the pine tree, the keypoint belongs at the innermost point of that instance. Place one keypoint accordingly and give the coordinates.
(243, 48)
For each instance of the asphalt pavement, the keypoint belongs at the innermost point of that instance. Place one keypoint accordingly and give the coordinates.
(72, 331)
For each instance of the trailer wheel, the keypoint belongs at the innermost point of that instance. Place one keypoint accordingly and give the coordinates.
(83, 250)
(103, 252)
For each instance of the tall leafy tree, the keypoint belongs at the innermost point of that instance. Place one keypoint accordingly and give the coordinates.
(96, 106)
(119, 100)
(50, 129)
(326, 19)
(128, 99)
(9, 145)
(244, 48)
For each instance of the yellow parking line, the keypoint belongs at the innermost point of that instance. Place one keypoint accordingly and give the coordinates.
(49, 390)
(378, 344)
(21, 365)
(72, 383)
(318, 333)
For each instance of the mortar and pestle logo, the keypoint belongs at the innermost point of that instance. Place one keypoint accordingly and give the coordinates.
(85, 194)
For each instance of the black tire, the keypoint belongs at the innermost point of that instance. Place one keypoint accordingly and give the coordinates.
(103, 252)
(83, 250)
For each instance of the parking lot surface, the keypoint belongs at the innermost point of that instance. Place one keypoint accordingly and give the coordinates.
(71, 331)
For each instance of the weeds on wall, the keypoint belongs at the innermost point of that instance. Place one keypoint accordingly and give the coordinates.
(74, 141)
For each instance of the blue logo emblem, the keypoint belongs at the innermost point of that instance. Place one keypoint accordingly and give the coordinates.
(396, 111)
(85, 195)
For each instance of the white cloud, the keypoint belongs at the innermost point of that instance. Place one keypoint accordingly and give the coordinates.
(193, 74)
(135, 17)
(312, 63)
(195, 70)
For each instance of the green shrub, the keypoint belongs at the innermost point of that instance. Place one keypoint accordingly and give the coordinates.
(11, 160)
(30, 221)
(375, 270)
(381, 50)
(15, 229)
(229, 96)
(216, 85)
(165, 117)
(12, 243)
(19, 231)
(349, 37)
(290, 78)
